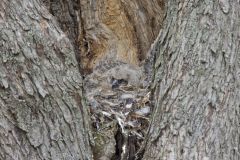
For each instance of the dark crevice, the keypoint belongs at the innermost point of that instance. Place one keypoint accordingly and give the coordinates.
(119, 143)
(131, 146)
(66, 13)
(83, 44)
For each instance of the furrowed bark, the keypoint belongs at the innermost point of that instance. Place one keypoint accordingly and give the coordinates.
(196, 84)
(41, 106)
(67, 14)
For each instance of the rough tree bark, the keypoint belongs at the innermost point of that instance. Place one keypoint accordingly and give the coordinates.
(196, 83)
(195, 88)
(42, 114)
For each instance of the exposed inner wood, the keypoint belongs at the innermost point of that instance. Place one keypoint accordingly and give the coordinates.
(118, 29)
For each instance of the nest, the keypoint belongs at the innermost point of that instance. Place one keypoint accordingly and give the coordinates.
(119, 103)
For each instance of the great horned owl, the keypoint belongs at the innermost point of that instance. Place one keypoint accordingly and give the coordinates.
(131, 74)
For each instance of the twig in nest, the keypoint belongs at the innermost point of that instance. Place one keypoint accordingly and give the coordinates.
(110, 103)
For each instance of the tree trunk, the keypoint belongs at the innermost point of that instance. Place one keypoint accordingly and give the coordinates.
(196, 85)
(195, 88)
(41, 107)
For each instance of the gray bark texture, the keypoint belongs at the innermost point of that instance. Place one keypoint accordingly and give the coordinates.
(196, 85)
(42, 113)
